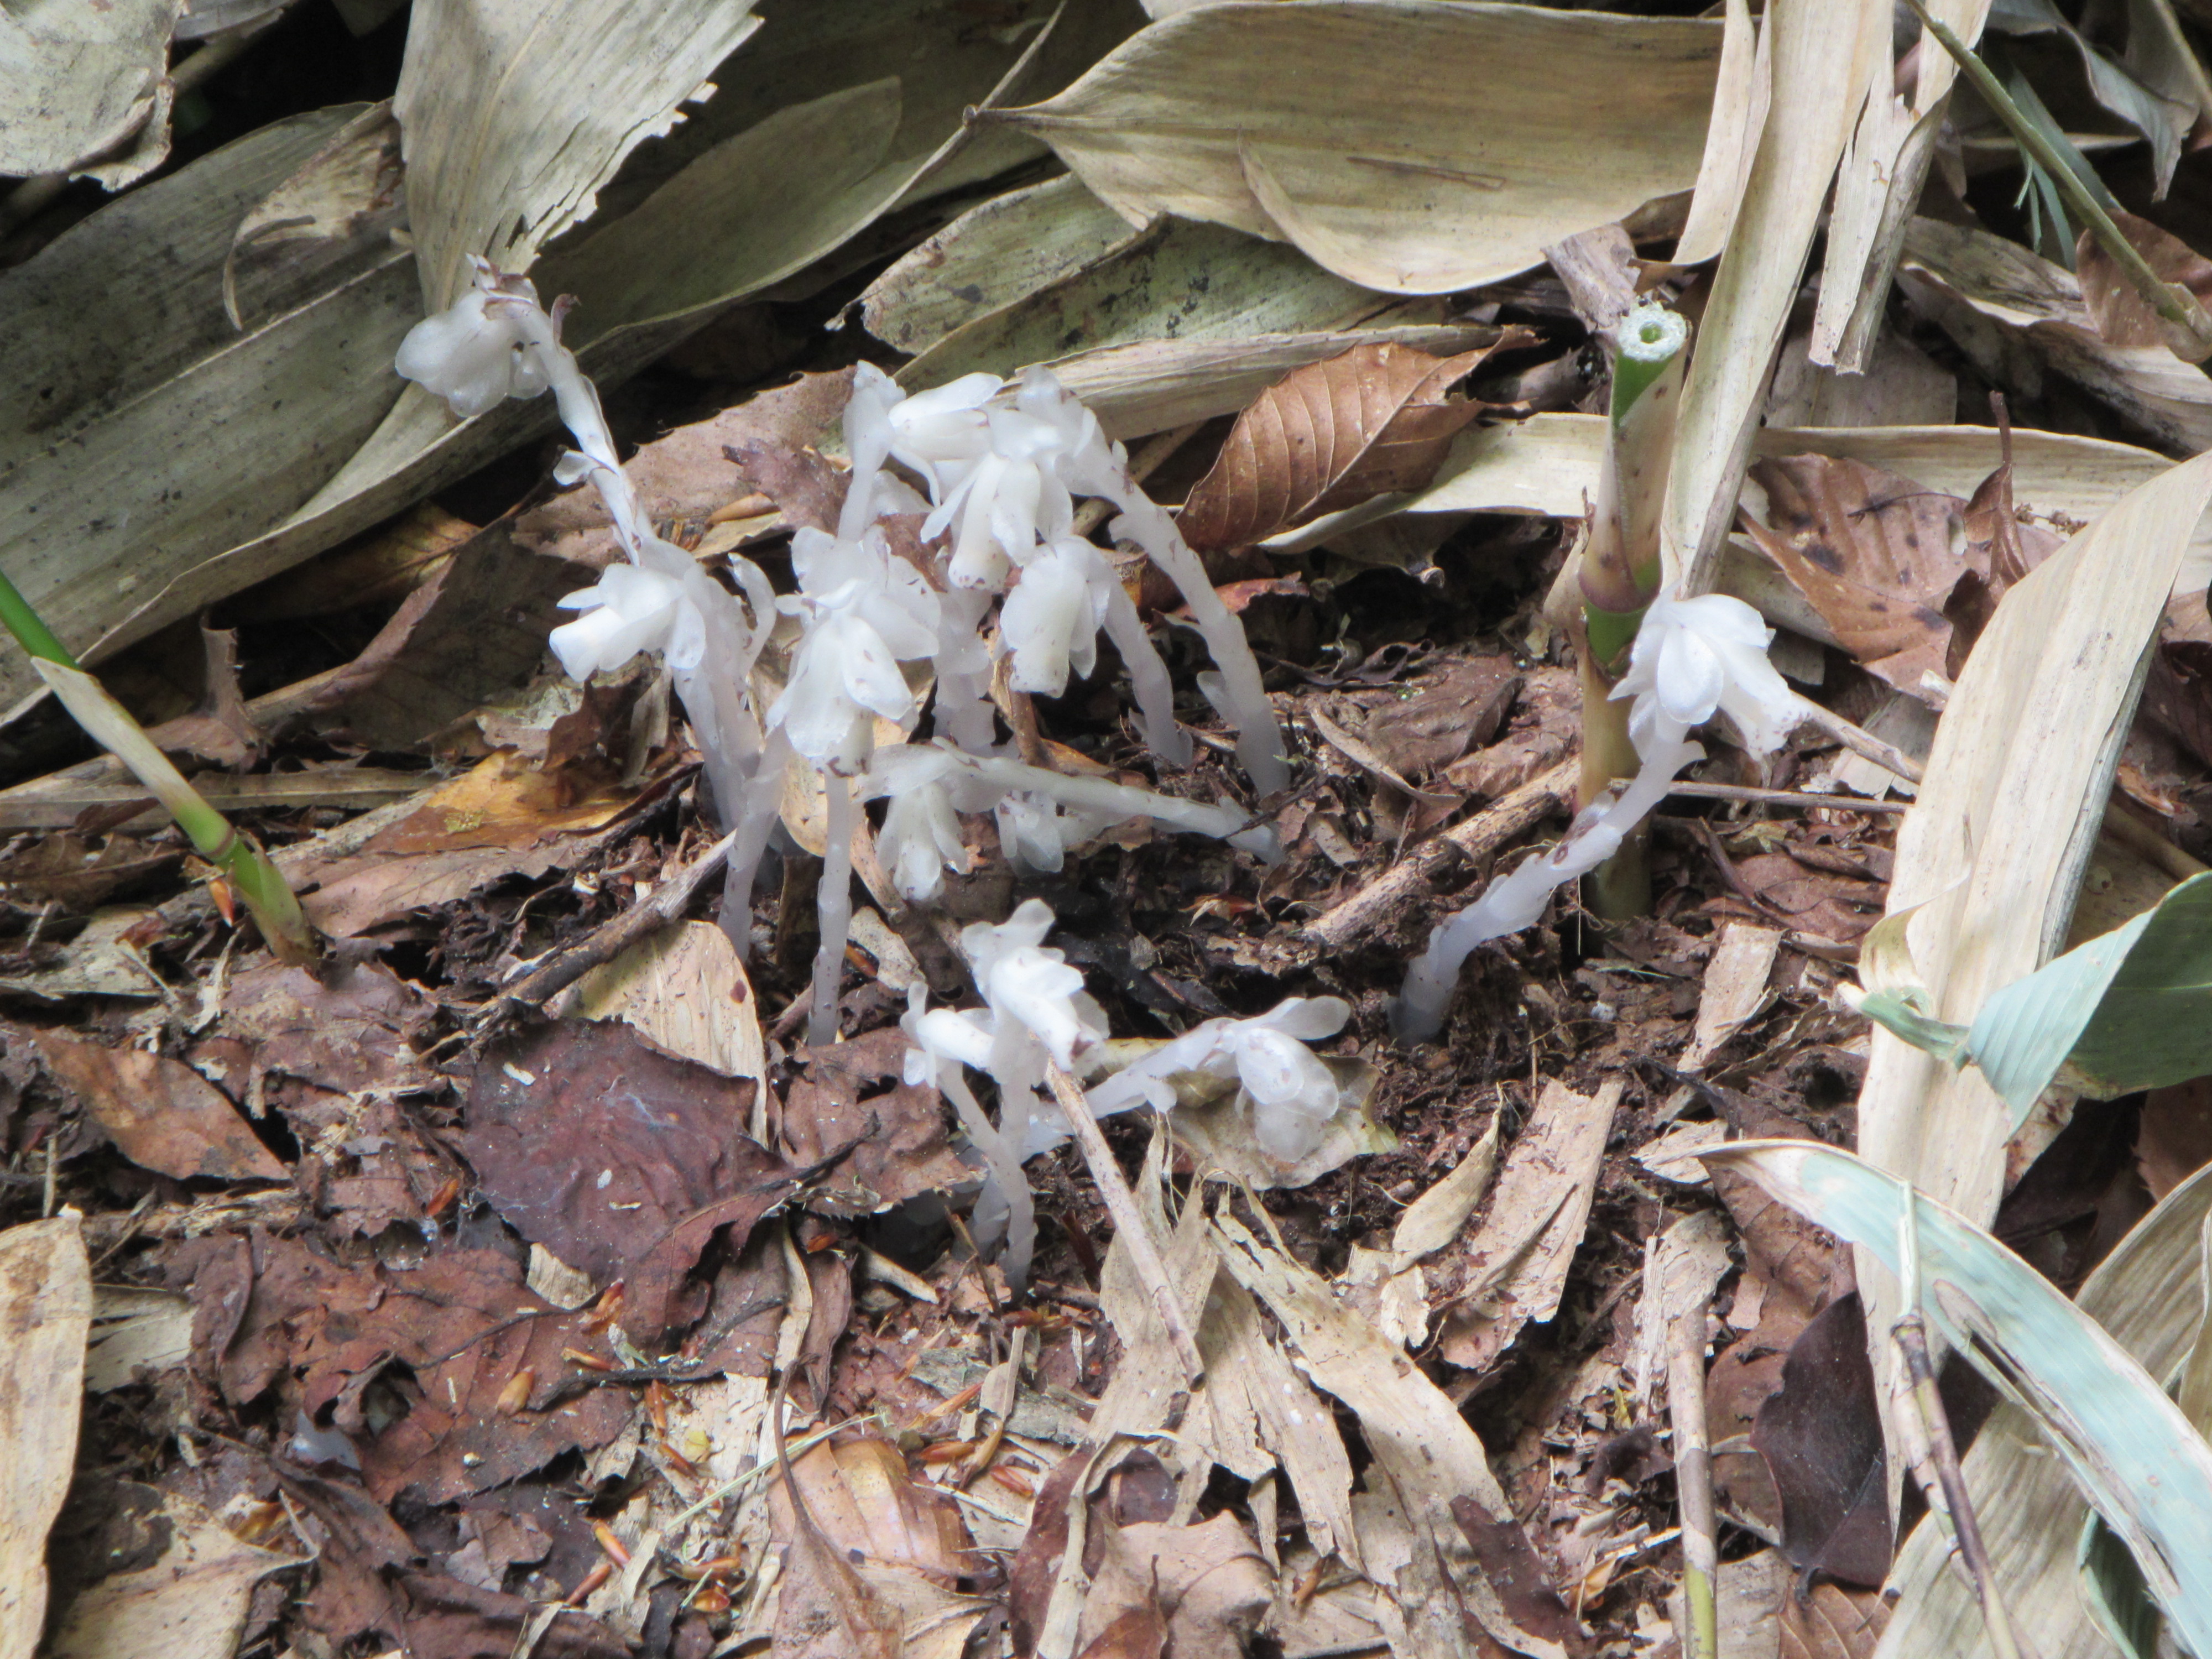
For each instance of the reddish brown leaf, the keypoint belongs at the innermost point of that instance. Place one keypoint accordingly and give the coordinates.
(1822, 1437)
(471, 1336)
(854, 1096)
(1873, 552)
(1516, 1573)
(64, 870)
(161, 1114)
(349, 1031)
(1370, 420)
(622, 1160)
(2120, 313)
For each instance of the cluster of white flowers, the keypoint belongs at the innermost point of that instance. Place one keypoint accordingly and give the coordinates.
(1003, 466)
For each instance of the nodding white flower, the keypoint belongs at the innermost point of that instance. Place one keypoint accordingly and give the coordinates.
(844, 669)
(1694, 656)
(1029, 832)
(1030, 990)
(628, 611)
(940, 432)
(484, 347)
(939, 1036)
(1050, 621)
(865, 611)
(1292, 1090)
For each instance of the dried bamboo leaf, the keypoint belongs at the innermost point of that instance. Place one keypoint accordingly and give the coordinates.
(1175, 280)
(1822, 58)
(511, 128)
(46, 1291)
(82, 80)
(1426, 1455)
(793, 187)
(1993, 847)
(1543, 465)
(1375, 419)
(2030, 1511)
(1300, 122)
(994, 254)
(2018, 317)
(1155, 384)
(1878, 185)
(130, 451)
(333, 216)
(1740, 101)
(2127, 1445)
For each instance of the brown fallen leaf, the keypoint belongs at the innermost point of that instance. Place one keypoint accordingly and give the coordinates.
(160, 1114)
(1833, 1622)
(501, 818)
(1821, 1435)
(1874, 554)
(1371, 420)
(686, 475)
(350, 1031)
(620, 1159)
(68, 871)
(2119, 311)
(854, 1096)
(1516, 1573)
(192, 1603)
(46, 1311)
(1514, 1269)
(488, 1393)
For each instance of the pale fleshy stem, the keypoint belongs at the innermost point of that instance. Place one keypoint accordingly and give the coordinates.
(833, 906)
(756, 819)
(963, 709)
(1007, 1186)
(1148, 680)
(1243, 700)
(1514, 902)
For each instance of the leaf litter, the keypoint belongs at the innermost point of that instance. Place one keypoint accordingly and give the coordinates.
(425, 1319)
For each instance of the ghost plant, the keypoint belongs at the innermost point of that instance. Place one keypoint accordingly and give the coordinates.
(1003, 466)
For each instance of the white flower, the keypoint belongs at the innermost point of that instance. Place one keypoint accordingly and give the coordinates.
(482, 348)
(1694, 656)
(941, 431)
(1029, 832)
(941, 1035)
(1032, 991)
(866, 612)
(1050, 621)
(843, 670)
(628, 611)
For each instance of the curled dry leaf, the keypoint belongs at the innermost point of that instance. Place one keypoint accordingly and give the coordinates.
(1877, 555)
(161, 1114)
(45, 1309)
(2120, 313)
(1376, 419)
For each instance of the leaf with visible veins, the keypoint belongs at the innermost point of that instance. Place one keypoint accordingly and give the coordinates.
(1372, 420)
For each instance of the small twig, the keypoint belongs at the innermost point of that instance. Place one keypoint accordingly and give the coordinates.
(1693, 1479)
(1784, 798)
(1129, 1221)
(1374, 906)
(610, 938)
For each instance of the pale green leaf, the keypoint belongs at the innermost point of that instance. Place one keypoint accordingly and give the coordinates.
(2129, 1450)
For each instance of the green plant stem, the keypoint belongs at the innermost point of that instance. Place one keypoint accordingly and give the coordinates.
(2177, 305)
(1620, 570)
(1693, 1480)
(30, 630)
(259, 885)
